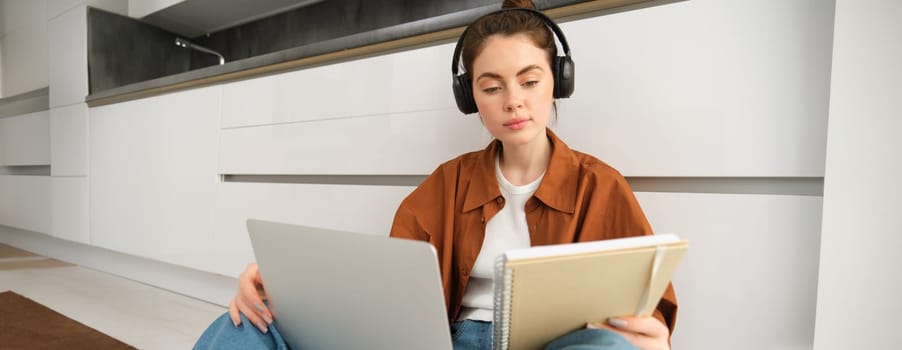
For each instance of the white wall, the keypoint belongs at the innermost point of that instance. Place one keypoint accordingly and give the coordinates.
(859, 281)
(141, 8)
(23, 37)
(30, 50)
(751, 257)
(1, 62)
(58, 7)
(2, 34)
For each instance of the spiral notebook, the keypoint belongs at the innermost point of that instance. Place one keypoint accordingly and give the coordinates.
(545, 292)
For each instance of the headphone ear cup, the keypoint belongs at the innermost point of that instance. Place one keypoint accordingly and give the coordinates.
(564, 76)
(463, 93)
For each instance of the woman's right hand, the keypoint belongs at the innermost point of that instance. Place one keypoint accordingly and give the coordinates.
(249, 300)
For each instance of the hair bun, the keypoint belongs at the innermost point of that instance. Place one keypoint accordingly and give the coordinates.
(527, 4)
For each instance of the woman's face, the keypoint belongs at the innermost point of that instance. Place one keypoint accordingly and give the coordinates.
(513, 88)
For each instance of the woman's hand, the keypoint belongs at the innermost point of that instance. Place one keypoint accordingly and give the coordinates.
(646, 333)
(249, 300)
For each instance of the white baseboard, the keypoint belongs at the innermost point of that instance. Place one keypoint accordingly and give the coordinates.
(213, 288)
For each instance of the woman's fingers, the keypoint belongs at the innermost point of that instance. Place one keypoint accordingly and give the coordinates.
(649, 326)
(250, 288)
(249, 300)
(643, 332)
(252, 315)
(234, 313)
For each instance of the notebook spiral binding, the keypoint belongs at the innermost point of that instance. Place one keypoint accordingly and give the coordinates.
(502, 317)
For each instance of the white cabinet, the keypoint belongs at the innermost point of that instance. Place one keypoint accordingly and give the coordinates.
(69, 140)
(154, 188)
(387, 114)
(69, 208)
(362, 209)
(409, 143)
(703, 88)
(68, 49)
(17, 14)
(23, 59)
(751, 268)
(25, 202)
(23, 46)
(671, 90)
(153, 175)
(408, 81)
(25, 139)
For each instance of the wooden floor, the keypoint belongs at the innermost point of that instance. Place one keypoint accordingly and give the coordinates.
(142, 316)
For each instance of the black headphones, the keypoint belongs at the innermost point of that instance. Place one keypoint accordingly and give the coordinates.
(561, 67)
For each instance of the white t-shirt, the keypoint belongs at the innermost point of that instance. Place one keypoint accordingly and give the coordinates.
(504, 231)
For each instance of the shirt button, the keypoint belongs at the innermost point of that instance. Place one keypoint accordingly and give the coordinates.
(483, 219)
(500, 200)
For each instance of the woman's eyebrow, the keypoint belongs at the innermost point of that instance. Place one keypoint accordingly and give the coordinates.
(489, 75)
(498, 76)
(528, 68)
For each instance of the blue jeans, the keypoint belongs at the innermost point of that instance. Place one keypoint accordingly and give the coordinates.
(466, 335)
(477, 335)
(222, 334)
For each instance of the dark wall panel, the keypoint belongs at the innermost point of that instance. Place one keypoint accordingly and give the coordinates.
(122, 51)
(320, 22)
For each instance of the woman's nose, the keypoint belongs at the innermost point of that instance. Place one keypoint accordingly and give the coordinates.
(513, 101)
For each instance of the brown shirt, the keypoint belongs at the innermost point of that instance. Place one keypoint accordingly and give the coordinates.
(579, 199)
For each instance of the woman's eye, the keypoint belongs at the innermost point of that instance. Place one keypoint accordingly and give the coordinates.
(491, 90)
(531, 83)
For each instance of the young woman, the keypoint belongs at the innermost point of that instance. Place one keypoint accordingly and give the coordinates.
(526, 188)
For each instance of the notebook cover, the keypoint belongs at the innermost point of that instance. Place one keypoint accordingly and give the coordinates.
(553, 296)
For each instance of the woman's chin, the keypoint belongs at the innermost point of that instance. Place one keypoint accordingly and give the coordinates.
(519, 137)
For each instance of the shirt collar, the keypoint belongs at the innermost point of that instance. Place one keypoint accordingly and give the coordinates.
(557, 190)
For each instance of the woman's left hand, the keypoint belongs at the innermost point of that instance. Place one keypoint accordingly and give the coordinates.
(646, 333)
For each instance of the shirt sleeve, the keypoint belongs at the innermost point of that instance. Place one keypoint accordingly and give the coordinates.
(419, 209)
(406, 225)
(623, 216)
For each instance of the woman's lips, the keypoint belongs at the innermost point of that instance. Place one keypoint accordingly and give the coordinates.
(517, 123)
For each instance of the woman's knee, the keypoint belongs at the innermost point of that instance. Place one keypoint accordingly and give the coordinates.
(223, 334)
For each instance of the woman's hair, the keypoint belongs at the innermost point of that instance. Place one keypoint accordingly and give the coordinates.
(507, 23)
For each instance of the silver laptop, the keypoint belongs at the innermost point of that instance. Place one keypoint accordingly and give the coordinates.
(338, 290)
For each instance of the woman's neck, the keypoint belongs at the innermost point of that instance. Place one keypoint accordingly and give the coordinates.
(523, 164)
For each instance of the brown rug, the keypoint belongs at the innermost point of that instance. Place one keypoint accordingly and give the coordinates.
(26, 324)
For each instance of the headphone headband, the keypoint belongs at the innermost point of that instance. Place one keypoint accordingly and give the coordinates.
(455, 61)
(562, 68)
